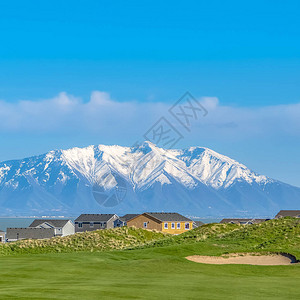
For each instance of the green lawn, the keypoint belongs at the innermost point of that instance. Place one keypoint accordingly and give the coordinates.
(154, 273)
(87, 266)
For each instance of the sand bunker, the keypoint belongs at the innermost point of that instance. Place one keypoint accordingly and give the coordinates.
(244, 258)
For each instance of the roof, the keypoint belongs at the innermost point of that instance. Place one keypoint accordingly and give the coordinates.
(94, 217)
(168, 217)
(256, 221)
(54, 222)
(128, 217)
(197, 223)
(288, 213)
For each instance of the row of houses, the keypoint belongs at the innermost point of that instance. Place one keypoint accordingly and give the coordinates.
(281, 214)
(173, 223)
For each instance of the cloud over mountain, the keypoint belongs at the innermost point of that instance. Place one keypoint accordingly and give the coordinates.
(104, 115)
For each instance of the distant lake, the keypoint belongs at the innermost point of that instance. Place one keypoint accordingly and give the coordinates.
(14, 222)
(208, 220)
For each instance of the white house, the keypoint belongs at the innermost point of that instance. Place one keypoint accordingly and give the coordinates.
(41, 229)
(61, 227)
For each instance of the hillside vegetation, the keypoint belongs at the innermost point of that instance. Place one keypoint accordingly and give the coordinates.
(98, 240)
(280, 235)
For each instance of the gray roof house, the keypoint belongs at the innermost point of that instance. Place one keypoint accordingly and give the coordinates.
(2, 236)
(128, 217)
(288, 213)
(243, 221)
(90, 222)
(122, 221)
(41, 229)
(62, 227)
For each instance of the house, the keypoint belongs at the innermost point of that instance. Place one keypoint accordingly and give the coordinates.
(119, 223)
(123, 220)
(2, 236)
(41, 229)
(173, 223)
(243, 221)
(197, 224)
(288, 213)
(61, 227)
(90, 222)
(15, 234)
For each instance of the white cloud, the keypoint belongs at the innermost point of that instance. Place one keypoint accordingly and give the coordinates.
(101, 114)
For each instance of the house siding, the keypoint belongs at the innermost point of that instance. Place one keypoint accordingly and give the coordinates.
(110, 222)
(2, 237)
(86, 226)
(96, 224)
(139, 221)
(176, 230)
(68, 229)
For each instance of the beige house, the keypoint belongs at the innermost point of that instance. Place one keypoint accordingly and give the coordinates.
(173, 223)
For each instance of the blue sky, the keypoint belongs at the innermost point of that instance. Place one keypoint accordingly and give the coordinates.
(145, 55)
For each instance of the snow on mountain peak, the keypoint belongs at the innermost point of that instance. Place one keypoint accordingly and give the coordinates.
(146, 164)
(193, 179)
(217, 170)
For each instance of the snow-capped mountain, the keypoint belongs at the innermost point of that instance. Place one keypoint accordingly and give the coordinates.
(195, 181)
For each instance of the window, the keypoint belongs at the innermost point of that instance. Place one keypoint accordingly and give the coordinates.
(166, 225)
(91, 224)
(178, 225)
(173, 225)
(79, 225)
(187, 225)
(145, 224)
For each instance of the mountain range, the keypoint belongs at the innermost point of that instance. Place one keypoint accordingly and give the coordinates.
(99, 179)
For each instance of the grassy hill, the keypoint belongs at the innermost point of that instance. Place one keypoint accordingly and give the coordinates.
(281, 235)
(99, 240)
